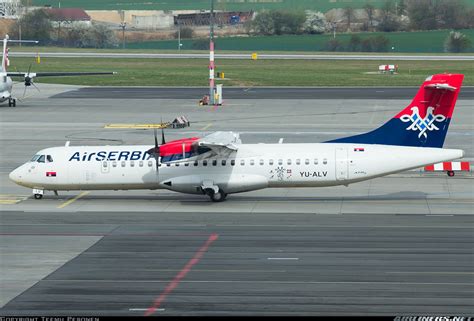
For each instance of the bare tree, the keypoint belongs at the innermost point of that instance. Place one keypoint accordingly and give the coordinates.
(370, 12)
(349, 15)
(388, 17)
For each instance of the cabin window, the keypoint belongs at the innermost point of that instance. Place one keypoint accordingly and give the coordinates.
(195, 163)
(242, 162)
(280, 162)
(298, 161)
(49, 159)
(114, 164)
(262, 162)
(140, 163)
(252, 162)
(123, 164)
(168, 164)
(104, 164)
(214, 162)
(270, 162)
(41, 159)
(315, 161)
(288, 161)
(232, 162)
(306, 161)
(132, 164)
(186, 164)
(223, 162)
(325, 161)
(176, 164)
(150, 163)
(204, 163)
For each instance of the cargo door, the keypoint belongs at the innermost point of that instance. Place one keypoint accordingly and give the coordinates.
(341, 164)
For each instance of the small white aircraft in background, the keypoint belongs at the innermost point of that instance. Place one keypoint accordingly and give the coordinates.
(219, 164)
(6, 83)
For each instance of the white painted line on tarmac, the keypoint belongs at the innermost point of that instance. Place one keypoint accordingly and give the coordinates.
(144, 309)
(282, 258)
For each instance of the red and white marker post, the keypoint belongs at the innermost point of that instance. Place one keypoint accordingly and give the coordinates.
(449, 167)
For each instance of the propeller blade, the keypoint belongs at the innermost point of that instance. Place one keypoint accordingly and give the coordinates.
(35, 87)
(162, 136)
(162, 132)
(24, 92)
(156, 152)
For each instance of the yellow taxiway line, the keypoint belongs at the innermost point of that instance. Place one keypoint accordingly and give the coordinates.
(9, 202)
(135, 126)
(207, 126)
(10, 199)
(72, 200)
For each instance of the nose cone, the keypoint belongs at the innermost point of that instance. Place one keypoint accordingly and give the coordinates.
(15, 175)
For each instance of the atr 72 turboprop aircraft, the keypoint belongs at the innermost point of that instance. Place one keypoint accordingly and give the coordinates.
(6, 83)
(219, 164)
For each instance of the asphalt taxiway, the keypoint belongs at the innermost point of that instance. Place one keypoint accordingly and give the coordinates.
(285, 93)
(397, 245)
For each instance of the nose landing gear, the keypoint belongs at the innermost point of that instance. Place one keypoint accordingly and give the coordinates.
(11, 102)
(38, 193)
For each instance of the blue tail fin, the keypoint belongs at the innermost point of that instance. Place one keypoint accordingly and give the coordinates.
(423, 123)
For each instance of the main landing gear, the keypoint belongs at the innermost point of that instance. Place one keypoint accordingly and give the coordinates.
(218, 196)
(11, 102)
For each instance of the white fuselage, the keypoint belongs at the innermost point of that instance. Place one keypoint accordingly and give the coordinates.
(255, 166)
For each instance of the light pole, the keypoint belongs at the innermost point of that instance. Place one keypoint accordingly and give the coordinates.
(211, 55)
(123, 25)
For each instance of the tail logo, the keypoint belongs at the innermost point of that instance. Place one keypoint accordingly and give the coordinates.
(422, 124)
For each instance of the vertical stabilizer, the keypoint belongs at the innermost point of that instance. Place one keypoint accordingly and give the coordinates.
(424, 122)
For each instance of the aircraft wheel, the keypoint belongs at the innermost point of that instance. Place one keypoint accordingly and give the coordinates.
(10, 103)
(14, 102)
(450, 173)
(217, 197)
(38, 196)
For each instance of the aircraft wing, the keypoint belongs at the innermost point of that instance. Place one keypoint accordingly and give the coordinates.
(221, 143)
(56, 74)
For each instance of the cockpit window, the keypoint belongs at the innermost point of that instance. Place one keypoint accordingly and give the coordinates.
(35, 158)
(49, 158)
(41, 159)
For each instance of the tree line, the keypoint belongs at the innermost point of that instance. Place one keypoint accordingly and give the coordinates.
(393, 15)
(37, 25)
